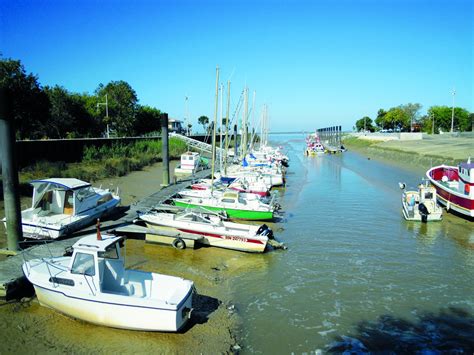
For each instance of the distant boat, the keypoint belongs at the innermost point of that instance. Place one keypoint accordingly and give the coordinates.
(62, 206)
(455, 186)
(93, 285)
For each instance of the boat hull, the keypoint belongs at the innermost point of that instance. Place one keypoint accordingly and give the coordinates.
(114, 314)
(233, 213)
(450, 198)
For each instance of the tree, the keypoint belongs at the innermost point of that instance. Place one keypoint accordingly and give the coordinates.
(379, 121)
(68, 116)
(365, 123)
(26, 102)
(443, 114)
(204, 121)
(122, 105)
(413, 113)
(396, 118)
(147, 120)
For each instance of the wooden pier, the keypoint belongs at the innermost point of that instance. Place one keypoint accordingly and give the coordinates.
(12, 282)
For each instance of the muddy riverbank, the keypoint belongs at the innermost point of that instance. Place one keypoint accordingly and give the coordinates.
(31, 328)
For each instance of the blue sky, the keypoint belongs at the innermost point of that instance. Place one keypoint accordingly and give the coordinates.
(315, 63)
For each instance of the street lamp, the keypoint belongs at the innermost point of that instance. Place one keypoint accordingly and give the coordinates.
(452, 113)
(106, 113)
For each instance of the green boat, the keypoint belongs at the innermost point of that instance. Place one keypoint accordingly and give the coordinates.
(232, 204)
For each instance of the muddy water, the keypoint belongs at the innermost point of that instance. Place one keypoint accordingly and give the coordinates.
(354, 269)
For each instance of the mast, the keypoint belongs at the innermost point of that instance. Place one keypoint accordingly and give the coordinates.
(220, 131)
(227, 126)
(244, 124)
(214, 131)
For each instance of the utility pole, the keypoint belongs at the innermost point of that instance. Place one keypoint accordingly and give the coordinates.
(106, 113)
(165, 149)
(452, 113)
(432, 126)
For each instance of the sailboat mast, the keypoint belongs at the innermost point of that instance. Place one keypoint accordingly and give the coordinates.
(220, 130)
(227, 126)
(214, 131)
(244, 124)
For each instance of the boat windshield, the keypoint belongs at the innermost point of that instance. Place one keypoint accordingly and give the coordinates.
(83, 264)
(110, 252)
(84, 193)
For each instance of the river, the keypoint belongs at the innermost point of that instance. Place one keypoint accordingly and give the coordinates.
(356, 275)
(354, 265)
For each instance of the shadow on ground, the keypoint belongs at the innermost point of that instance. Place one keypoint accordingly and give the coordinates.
(451, 330)
(203, 307)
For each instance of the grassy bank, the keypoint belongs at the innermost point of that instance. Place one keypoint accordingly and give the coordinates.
(417, 154)
(104, 162)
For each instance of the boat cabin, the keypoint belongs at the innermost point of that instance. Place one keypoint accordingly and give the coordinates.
(102, 262)
(190, 161)
(466, 178)
(65, 196)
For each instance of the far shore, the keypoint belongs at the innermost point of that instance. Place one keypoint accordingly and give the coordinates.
(420, 154)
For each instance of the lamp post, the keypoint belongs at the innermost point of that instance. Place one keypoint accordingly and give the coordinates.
(106, 113)
(452, 113)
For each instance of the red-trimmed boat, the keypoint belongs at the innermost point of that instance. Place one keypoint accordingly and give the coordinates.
(455, 186)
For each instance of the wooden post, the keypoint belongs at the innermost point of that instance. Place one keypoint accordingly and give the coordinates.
(165, 150)
(10, 178)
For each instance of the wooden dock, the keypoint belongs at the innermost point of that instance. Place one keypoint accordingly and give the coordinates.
(12, 282)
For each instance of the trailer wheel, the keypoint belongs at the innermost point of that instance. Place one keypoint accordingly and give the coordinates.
(178, 243)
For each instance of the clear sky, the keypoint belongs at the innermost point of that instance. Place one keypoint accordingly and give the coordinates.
(315, 63)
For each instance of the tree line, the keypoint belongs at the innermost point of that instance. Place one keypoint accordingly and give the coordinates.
(407, 118)
(54, 112)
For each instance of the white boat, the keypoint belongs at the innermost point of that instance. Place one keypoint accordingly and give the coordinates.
(93, 285)
(455, 186)
(62, 206)
(190, 163)
(420, 205)
(232, 204)
(215, 231)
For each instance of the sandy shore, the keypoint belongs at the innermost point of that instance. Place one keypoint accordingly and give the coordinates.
(32, 328)
(422, 154)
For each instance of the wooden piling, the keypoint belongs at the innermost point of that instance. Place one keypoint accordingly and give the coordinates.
(165, 149)
(10, 178)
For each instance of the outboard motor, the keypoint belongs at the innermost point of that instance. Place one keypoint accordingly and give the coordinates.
(265, 231)
(423, 212)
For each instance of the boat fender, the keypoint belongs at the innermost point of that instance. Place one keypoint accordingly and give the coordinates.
(178, 243)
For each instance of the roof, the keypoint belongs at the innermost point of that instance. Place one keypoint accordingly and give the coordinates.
(67, 183)
(467, 165)
(91, 243)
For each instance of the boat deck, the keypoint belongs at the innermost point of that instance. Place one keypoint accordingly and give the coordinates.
(12, 281)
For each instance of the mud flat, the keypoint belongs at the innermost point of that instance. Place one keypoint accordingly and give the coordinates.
(33, 328)
(419, 155)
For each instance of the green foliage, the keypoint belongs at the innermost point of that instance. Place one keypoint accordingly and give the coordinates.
(204, 121)
(23, 99)
(365, 123)
(147, 120)
(122, 106)
(443, 115)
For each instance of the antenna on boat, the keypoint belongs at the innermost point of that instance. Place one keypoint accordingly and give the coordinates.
(99, 236)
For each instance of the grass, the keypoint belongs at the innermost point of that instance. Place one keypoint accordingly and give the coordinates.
(103, 162)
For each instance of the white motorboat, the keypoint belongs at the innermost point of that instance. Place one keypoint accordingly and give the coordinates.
(231, 203)
(62, 206)
(191, 162)
(420, 205)
(93, 285)
(215, 231)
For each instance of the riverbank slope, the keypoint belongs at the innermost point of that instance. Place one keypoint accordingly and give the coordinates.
(418, 155)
